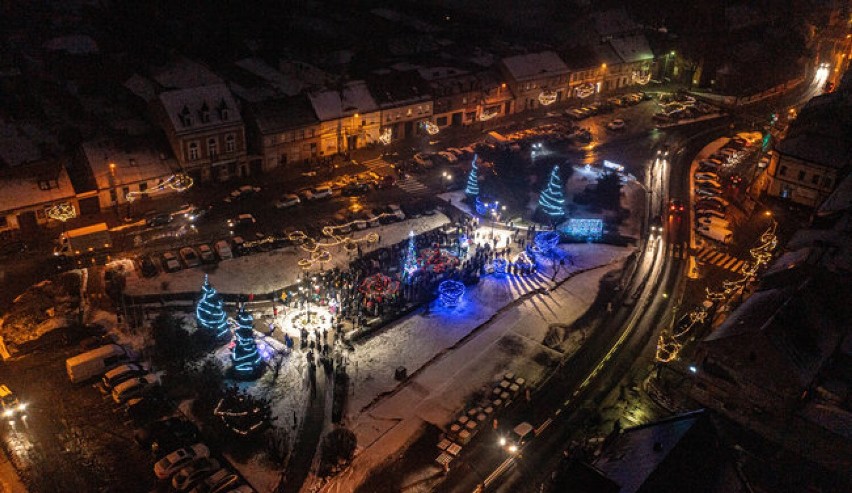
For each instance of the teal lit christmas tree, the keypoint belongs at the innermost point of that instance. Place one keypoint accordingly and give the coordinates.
(245, 356)
(210, 311)
(409, 263)
(472, 188)
(552, 199)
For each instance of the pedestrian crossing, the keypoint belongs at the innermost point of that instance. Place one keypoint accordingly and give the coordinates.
(678, 250)
(374, 163)
(412, 186)
(719, 259)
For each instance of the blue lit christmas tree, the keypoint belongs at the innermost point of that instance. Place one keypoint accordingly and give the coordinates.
(409, 262)
(210, 311)
(552, 199)
(245, 356)
(472, 188)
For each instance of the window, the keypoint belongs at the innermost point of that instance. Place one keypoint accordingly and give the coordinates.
(230, 143)
(441, 121)
(3, 222)
(409, 112)
(815, 179)
(193, 151)
(782, 170)
(113, 196)
(311, 132)
(212, 147)
(801, 176)
(48, 184)
(301, 134)
(143, 186)
(363, 123)
(464, 100)
(125, 192)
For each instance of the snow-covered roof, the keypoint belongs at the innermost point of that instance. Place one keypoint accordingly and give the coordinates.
(185, 107)
(354, 98)
(283, 114)
(141, 87)
(285, 83)
(612, 22)
(534, 65)
(21, 186)
(135, 161)
(632, 48)
(305, 72)
(183, 73)
(15, 147)
(436, 73)
(73, 44)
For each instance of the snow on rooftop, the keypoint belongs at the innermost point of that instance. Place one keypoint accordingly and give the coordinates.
(74, 44)
(436, 73)
(21, 188)
(133, 163)
(190, 103)
(16, 148)
(184, 73)
(632, 48)
(357, 95)
(285, 83)
(532, 65)
(331, 104)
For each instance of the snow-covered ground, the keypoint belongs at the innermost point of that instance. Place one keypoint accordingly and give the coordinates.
(271, 271)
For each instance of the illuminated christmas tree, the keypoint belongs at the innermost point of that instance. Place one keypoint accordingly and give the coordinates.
(552, 199)
(472, 188)
(245, 356)
(409, 263)
(210, 311)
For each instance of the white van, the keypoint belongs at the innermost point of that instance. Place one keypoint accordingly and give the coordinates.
(714, 221)
(716, 234)
(223, 250)
(95, 362)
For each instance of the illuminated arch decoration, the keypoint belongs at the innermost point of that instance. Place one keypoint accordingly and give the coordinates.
(386, 136)
(489, 113)
(500, 266)
(179, 182)
(642, 78)
(546, 98)
(430, 127)
(62, 211)
(584, 90)
(450, 293)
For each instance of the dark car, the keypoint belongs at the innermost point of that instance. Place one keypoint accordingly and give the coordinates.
(709, 204)
(148, 267)
(384, 215)
(159, 220)
(141, 409)
(166, 435)
(355, 189)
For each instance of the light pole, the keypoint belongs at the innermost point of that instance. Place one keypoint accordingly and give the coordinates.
(448, 178)
(669, 55)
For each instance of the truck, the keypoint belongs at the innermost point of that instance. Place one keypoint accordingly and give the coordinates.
(517, 438)
(717, 234)
(82, 241)
(96, 362)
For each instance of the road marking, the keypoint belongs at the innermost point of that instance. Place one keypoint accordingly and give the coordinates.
(720, 259)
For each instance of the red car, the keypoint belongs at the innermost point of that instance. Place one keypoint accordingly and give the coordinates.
(675, 206)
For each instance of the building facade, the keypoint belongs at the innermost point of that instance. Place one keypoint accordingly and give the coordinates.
(30, 191)
(496, 99)
(405, 103)
(349, 118)
(456, 95)
(285, 132)
(206, 132)
(536, 79)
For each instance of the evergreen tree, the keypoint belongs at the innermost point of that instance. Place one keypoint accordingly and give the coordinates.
(552, 199)
(245, 357)
(409, 262)
(472, 188)
(210, 312)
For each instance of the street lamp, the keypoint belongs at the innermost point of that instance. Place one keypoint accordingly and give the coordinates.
(669, 55)
(448, 178)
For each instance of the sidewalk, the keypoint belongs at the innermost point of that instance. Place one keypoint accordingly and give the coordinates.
(9, 480)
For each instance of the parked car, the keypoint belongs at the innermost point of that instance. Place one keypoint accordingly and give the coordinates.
(358, 221)
(707, 192)
(173, 462)
(148, 407)
(371, 219)
(617, 124)
(422, 160)
(190, 257)
(287, 200)
(220, 481)
(223, 250)
(396, 211)
(206, 254)
(10, 403)
(121, 374)
(159, 220)
(170, 262)
(458, 153)
(134, 387)
(242, 220)
(166, 434)
(449, 157)
(710, 212)
(239, 246)
(341, 224)
(148, 267)
(194, 214)
(707, 182)
(719, 200)
(194, 472)
(320, 193)
(706, 175)
(355, 189)
(242, 192)
(713, 221)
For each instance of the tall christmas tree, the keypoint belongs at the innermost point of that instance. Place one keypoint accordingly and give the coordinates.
(552, 199)
(409, 263)
(472, 188)
(210, 312)
(245, 357)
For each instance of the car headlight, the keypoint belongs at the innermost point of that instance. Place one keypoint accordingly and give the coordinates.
(502, 441)
(22, 406)
(8, 412)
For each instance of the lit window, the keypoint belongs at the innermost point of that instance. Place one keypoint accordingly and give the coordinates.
(230, 143)
(193, 151)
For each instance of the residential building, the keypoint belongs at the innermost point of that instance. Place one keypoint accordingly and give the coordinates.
(405, 103)
(285, 131)
(586, 71)
(129, 171)
(456, 94)
(536, 79)
(816, 153)
(496, 98)
(349, 117)
(206, 132)
(29, 191)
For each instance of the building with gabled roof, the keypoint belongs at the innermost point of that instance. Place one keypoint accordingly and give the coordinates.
(206, 132)
(455, 93)
(536, 79)
(28, 191)
(405, 101)
(349, 117)
(284, 131)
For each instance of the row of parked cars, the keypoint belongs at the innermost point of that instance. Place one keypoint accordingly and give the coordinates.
(192, 469)
(711, 220)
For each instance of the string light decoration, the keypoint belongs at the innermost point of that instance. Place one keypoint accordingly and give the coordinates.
(437, 260)
(546, 98)
(545, 242)
(62, 211)
(584, 90)
(245, 356)
(450, 292)
(552, 198)
(241, 413)
(430, 127)
(318, 250)
(472, 187)
(500, 265)
(409, 263)
(179, 182)
(379, 288)
(671, 341)
(489, 113)
(210, 311)
(641, 78)
(386, 136)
